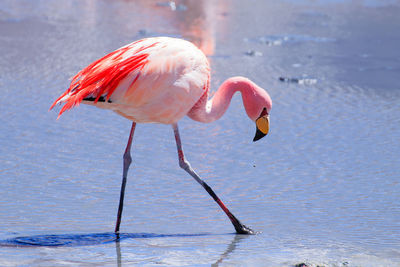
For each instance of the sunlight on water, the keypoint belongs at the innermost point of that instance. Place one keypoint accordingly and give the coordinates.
(322, 187)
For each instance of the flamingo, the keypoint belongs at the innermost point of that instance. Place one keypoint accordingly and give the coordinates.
(160, 80)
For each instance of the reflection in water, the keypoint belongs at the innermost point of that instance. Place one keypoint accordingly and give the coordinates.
(118, 250)
(230, 249)
(195, 22)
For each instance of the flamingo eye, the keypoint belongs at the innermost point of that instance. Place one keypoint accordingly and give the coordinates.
(264, 112)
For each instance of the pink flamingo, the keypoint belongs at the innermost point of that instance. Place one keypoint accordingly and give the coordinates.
(160, 80)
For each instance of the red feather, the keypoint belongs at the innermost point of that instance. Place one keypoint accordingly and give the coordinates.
(104, 75)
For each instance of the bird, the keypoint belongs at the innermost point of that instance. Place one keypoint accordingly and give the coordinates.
(161, 80)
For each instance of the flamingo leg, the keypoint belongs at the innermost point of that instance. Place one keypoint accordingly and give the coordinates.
(127, 162)
(184, 164)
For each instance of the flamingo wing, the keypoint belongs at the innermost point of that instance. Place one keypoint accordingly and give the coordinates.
(150, 80)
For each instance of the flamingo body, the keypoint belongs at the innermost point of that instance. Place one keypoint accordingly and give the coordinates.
(151, 80)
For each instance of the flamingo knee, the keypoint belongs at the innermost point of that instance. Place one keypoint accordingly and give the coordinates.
(127, 159)
(184, 164)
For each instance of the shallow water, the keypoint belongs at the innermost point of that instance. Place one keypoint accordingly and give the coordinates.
(322, 187)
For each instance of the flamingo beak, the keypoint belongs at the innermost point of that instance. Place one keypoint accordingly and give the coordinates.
(262, 124)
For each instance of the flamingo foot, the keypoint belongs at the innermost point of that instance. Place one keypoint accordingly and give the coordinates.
(240, 228)
(244, 230)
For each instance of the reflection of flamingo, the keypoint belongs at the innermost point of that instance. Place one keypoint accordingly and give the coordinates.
(161, 80)
(231, 247)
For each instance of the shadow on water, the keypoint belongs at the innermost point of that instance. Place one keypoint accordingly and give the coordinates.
(81, 239)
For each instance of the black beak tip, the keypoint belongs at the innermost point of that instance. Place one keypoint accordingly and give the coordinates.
(258, 135)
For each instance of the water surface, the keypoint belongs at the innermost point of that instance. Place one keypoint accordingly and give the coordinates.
(322, 187)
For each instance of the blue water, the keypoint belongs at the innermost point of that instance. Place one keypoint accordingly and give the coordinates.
(322, 187)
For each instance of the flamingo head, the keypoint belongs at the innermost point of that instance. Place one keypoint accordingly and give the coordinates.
(258, 104)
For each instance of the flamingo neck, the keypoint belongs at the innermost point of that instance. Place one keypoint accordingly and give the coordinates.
(209, 110)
